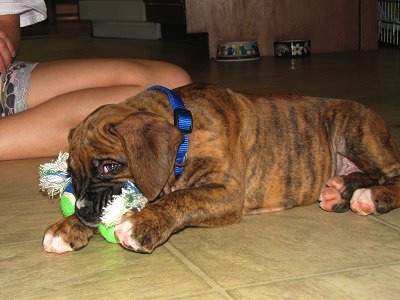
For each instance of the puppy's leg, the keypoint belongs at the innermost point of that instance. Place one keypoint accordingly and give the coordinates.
(207, 207)
(363, 138)
(377, 199)
(66, 235)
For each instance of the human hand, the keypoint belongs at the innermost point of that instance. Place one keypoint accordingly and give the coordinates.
(7, 51)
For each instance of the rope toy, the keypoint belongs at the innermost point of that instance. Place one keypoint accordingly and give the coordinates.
(55, 180)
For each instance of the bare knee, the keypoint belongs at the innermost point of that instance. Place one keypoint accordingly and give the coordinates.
(182, 78)
(170, 75)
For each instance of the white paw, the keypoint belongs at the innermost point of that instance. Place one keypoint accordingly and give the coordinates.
(123, 232)
(55, 244)
(362, 202)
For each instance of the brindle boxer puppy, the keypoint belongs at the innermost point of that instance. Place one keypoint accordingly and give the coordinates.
(247, 154)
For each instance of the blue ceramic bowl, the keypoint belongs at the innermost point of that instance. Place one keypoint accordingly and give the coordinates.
(237, 51)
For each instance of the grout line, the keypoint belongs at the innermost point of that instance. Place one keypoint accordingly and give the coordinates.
(376, 219)
(186, 296)
(216, 287)
(267, 282)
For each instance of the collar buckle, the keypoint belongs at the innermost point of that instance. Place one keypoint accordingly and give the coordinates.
(183, 120)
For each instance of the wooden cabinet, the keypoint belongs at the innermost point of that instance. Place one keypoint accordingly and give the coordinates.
(165, 11)
(331, 25)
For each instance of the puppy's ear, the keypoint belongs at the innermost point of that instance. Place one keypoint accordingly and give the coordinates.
(150, 145)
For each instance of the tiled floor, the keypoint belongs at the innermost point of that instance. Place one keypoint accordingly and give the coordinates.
(302, 253)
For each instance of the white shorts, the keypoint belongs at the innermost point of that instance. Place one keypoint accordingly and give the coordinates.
(14, 85)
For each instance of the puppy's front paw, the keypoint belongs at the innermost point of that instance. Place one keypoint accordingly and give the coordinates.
(124, 233)
(66, 235)
(55, 244)
(142, 232)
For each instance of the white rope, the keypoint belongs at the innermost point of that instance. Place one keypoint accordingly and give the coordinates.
(129, 199)
(54, 176)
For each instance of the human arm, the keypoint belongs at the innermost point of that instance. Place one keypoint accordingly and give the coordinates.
(9, 39)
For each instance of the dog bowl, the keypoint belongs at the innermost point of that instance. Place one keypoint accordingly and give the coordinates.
(237, 51)
(292, 48)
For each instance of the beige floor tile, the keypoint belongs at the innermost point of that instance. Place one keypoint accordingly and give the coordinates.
(28, 211)
(101, 270)
(297, 242)
(22, 228)
(372, 283)
(392, 218)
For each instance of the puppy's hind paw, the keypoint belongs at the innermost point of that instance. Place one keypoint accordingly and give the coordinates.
(362, 202)
(331, 199)
(328, 198)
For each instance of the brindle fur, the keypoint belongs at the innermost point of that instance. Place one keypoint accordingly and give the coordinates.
(247, 154)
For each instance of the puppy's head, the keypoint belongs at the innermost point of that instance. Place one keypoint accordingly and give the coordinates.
(112, 146)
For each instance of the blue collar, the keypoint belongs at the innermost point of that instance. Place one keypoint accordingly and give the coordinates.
(183, 120)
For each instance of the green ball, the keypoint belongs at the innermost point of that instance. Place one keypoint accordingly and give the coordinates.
(67, 204)
(108, 233)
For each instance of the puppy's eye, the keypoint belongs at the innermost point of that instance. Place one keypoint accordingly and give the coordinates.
(107, 168)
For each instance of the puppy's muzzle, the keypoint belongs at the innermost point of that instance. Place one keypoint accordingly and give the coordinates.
(87, 212)
(90, 205)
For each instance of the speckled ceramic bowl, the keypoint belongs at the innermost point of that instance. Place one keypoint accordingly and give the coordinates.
(292, 48)
(237, 51)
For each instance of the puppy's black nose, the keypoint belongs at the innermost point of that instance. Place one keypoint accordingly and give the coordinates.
(86, 213)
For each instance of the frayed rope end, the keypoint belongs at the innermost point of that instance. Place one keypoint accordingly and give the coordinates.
(54, 176)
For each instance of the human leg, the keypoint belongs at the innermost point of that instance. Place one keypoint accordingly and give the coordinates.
(52, 79)
(42, 131)
(60, 96)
